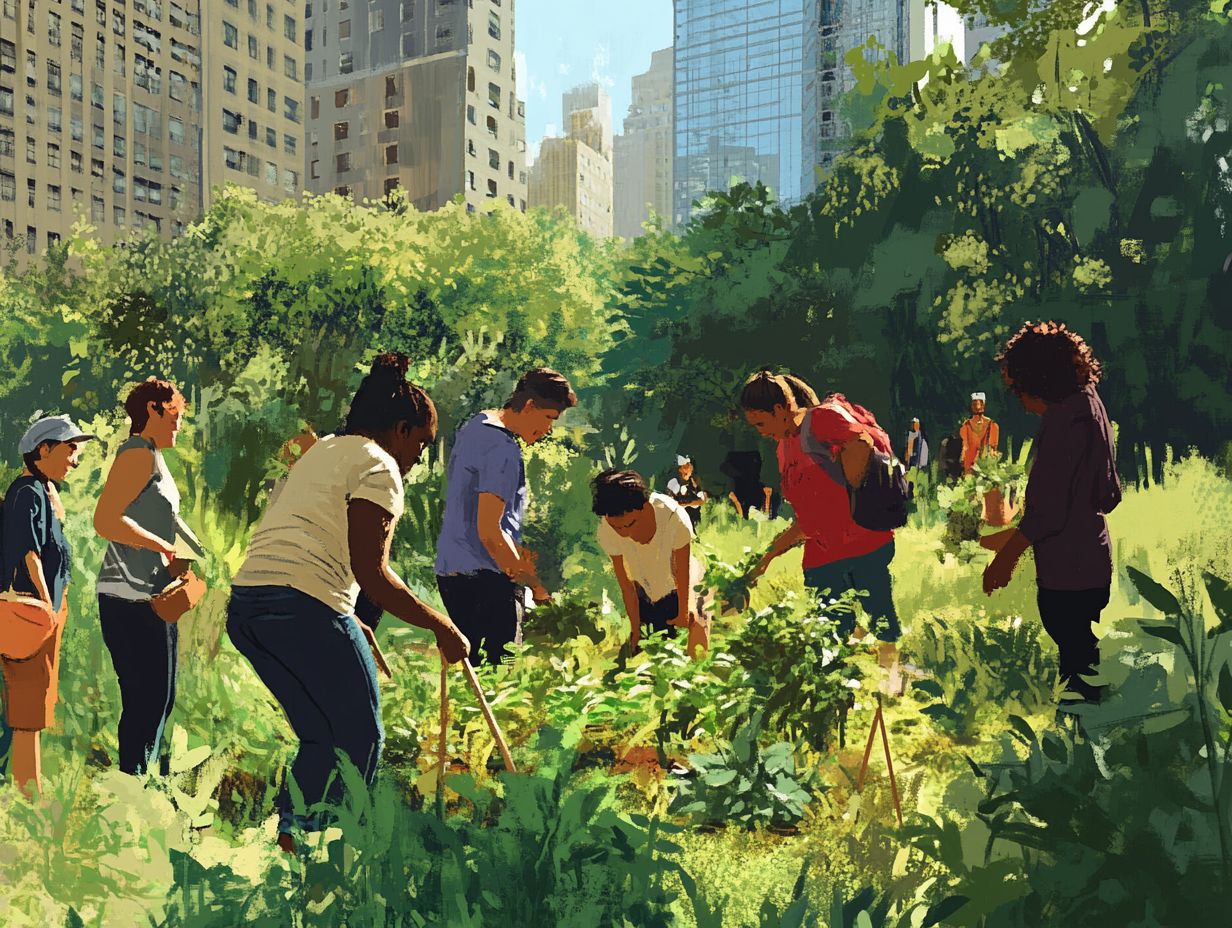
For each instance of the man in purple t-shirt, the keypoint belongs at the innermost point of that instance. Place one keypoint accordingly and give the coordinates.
(1073, 484)
(481, 566)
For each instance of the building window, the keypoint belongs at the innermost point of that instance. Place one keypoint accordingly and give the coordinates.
(494, 27)
(230, 122)
(470, 80)
(30, 157)
(494, 95)
(30, 192)
(408, 45)
(175, 130)
(314, 107)
(391, 119)
(271, 137)
(271, 100)
(511, 170)
(343, 191)
(8, 187)
(345, 63)
(342, 162)
(492, 188)
(342, 98)
(230, 35)
(391, 184)
(7, 146)
(492, 126)
(494, 60)
(254, 91)
(443, 35)
(289, 144)
(288, 27)
(252, 129)
(494, 159)
(470, 114)
(307, 40)
(342, 130)
(290, 67)
(117, 215)
(470, 180)
(391, 87)
(290, 181)
(53, 79)
(269, 57)
(234, 159)
(228, 79)
(313, 170)
(118, 182)
(75, 161)
(408, 10)
(271, 173)
(470, 147)
(376, 20)
(98, 209)
(290, 109)
(344, 29)
(391, 154)
(254, 50)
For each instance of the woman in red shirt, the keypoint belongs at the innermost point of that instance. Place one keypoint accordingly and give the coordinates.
(839, 555)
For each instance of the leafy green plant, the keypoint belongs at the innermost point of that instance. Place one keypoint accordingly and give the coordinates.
(743, 783)
(978, 667)
(568, 615)
(799, 669)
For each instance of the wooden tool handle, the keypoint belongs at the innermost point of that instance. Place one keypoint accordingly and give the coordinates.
(487, 714)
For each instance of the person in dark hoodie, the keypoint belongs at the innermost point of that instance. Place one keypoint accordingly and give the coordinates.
(1072, 485)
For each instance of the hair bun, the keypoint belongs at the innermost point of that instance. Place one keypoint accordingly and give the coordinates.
(391, 366)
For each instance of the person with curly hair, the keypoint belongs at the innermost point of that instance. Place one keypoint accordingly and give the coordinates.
(1072, 486)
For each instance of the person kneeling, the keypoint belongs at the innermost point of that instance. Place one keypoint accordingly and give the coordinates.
(649, 538)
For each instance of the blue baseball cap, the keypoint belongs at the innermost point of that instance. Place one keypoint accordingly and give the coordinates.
(51, 428)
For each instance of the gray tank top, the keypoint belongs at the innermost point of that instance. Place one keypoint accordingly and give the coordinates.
(135, 573)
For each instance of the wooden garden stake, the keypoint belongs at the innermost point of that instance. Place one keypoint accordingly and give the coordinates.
(440, 754)
(487, 714)
(879, 723)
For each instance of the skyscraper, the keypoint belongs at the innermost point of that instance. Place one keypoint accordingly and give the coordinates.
(575, 172)
(129, 114)
(759, 85)
(417, 94)
(642, 155)
(740, 74)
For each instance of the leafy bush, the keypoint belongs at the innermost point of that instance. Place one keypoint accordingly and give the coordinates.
(744, 784)
(799, 669)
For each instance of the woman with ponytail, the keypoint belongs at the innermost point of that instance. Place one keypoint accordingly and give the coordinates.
(323, 539)
(839, 554)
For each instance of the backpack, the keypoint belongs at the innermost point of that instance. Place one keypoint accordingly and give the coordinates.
(880, 502)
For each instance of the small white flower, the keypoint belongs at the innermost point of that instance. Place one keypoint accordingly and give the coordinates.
(852, 684)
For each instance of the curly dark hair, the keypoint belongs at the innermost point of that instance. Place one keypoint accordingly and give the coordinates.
(1047, 360)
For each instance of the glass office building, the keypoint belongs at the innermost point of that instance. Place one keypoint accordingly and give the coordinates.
(741, 72)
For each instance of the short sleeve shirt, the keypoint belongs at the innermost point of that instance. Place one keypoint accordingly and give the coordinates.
(821, 504)
(486, 458)
(31, 525)
(302, 540)
(650, 565)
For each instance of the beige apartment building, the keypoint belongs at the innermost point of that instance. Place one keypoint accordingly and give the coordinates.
(128, 113)
(643, 154)
(418, 95)
(575, 173)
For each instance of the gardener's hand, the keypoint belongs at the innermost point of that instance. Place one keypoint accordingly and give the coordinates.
(997, 574)
(996, 541)
(635, 636)
(453, 644)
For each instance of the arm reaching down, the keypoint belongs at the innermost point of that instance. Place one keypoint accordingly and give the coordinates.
(369, 528)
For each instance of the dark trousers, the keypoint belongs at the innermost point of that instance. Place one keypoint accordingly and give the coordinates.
(319, 667)
(144, 652)
(487, 608)
(869, 572)
(1067, 616)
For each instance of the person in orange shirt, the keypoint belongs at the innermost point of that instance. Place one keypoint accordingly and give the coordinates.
(979, 434)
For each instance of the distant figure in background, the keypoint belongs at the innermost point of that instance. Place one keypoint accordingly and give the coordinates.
(748, 492)
(685, 489)
(979, 434)
(950, 461)
(1073, 483)
(917, 447)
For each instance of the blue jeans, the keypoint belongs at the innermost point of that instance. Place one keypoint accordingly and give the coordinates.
(318, 665)
(145, 654)
(870, 572)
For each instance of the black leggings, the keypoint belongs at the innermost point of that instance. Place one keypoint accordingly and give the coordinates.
(144, 651)
(1067, 616)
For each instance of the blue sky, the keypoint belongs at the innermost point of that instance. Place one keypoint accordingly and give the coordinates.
(563, 43)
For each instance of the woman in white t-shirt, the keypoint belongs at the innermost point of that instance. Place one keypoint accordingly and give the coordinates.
(323, 538)
(649, 538)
